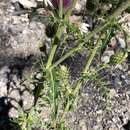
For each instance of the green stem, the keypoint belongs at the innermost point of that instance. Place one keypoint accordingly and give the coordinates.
(51, 56)
(66, 56)
(61, 9)
(54, 99)
(54, 46)
(66, 109)
(88, 63)
(92, 56)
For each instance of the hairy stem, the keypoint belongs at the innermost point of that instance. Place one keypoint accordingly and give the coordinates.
(89, 61)
(59, 33)
(49, 62)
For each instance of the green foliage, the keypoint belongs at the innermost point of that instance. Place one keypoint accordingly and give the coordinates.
(119, 57)
(55, 90)
(29, 120)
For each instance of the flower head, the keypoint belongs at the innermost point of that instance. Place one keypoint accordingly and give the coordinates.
(66, 3)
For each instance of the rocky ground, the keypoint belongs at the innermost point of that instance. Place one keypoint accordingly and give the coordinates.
(21, 35)
(20, 39)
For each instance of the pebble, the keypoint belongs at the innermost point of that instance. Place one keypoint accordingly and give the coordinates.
(13, 113)
(29, 102)
(123, 67)
(112, 93)
(128, 95)
(80, 5)
(128, 24)
(113, 128)
(82, 125)
(122, 42)
(123, 76)
(129, 72)
(105, 59)
(106, 56)
(39, 76)
(128, 105)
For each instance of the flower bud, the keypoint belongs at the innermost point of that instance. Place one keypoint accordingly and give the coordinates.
(66, 3)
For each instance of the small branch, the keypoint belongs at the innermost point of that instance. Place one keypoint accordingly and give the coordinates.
(51, 56)
(54, 45)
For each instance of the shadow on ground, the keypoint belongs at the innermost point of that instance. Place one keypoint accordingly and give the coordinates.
(6, 122)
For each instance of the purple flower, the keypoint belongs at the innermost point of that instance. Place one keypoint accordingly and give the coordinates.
(66, 3)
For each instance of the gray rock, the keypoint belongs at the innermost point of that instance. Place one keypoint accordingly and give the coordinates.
(15, 95)
(19, 37)
(26, 3)
(13, 113)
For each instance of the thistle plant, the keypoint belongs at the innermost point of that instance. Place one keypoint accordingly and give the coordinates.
(57, 91)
